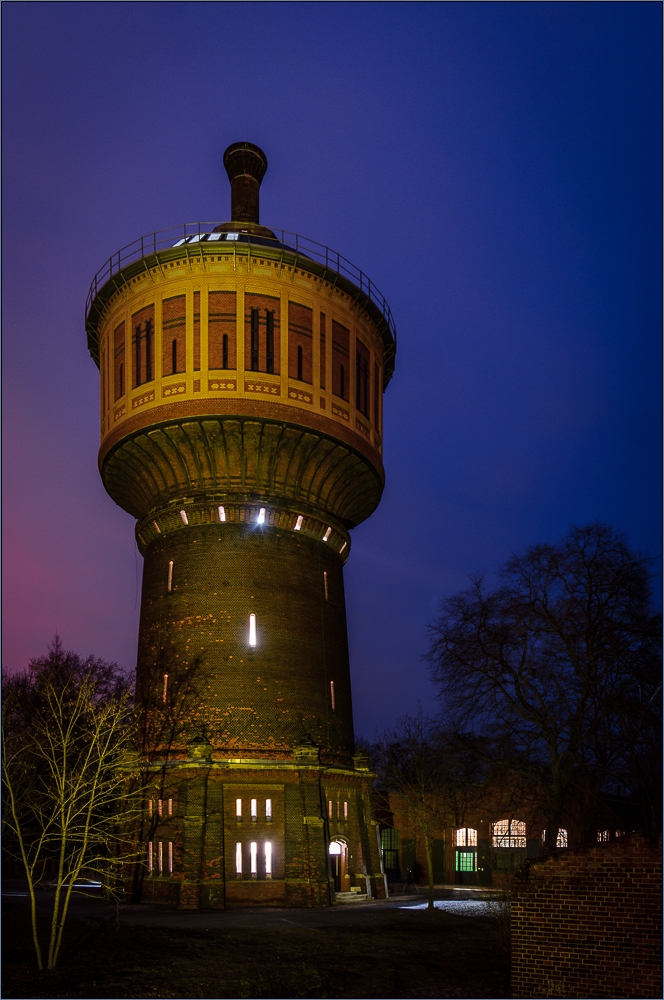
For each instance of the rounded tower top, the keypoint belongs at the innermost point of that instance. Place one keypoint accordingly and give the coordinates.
(245, 165)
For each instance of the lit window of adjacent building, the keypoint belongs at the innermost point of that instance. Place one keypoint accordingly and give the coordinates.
(466, 861)
(509, 833)
(268, 859)
(252, 630)
(238, 859)
(466, 837)
(603, 836)
(238, 808)
(253, 855)
(561, 839)
(268, 809)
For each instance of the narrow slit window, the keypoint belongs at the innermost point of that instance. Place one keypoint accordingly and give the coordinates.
(224, 351)
(160, 856)
(170, 857)
(160, 808)
(170, 576)
(345, 810)
(299, 363)
(157, 528)
(327, 534)
(269, 341)
(137, 379)
(150, 807)
(165, 688)
(343, 547)
(252, 630)
(254, 340)
(325, 584)
(329, 808)
(170, 807)
(260, 517)
(253, 856)
(298, 523)
(268, 809)
(338, 809)
(148, 350)
(268, 858)
(332, 698)
(183, 515)
(238, 808)
(150, 857)
(342, 381)
(222, 513)
(174, 356)
(238, 858)
(254, 809)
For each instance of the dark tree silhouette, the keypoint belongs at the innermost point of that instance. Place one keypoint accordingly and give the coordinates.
(559, 668)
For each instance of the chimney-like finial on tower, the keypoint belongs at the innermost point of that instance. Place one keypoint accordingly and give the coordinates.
(245, 165)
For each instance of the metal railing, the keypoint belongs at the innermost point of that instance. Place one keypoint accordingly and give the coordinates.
(286, 241)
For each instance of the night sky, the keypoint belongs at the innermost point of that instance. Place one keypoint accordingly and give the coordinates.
(494, 168)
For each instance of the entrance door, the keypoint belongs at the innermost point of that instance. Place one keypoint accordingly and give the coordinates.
(335, 864)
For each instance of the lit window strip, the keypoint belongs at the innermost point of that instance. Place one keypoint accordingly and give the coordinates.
(160, 855)
(345, 810)
(163, 696)
(238, 808)
(158, 529)
(298, 523)
(170, 807)
(268, 857)
(254, 809)
(325, 584)
(149, 855)
(160, 808)
(327, 534)
(260, 517)
(332, 698)
(170, 576)
(238, 858)
(183, 515)
(222, 513)
(253, 856)
(268, 809)
(252, 630)
(170, 857)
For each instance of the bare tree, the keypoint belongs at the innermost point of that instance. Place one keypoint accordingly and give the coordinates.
(433, 772)
(551, 665)
(67, 730)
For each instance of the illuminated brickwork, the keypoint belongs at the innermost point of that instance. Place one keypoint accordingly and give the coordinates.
(241, 425)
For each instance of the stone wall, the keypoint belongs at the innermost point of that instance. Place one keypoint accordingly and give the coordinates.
(589, 923)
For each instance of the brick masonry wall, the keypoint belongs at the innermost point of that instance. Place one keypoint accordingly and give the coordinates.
(589, 924)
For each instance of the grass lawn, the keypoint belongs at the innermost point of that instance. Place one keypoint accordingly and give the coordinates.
(389, 953)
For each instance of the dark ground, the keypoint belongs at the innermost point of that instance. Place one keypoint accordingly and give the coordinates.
(372, 950)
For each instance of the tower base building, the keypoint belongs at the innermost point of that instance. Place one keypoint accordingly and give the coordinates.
(242, 374)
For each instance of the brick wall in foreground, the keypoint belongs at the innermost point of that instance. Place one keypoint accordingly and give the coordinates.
(589, 924)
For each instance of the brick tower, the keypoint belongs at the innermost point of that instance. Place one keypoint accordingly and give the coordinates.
(242, 374)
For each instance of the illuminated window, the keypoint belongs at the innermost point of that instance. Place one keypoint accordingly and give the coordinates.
(252, 630)
(160, 807)
(334, 704)
(325, 584)
(509, 833)
(254, 809)
(260, 519)
(268, 858)
(298, 523)
(466, 861)
(183, 515)
(345, 810)
(149, 807)
(561, 839)
(222, 513)
(170, 576)
(170, 857)
(160, 856)
(238, 808)
(238, 859)
(466, 837)
(170, 807)
(338, 808)
(327, 534)
(603, 836)
(165, 690)
(268, 809)
(150, 861)
(329, 808)
(253, 853)
(343, 547)
(157, 528)
(335, 847)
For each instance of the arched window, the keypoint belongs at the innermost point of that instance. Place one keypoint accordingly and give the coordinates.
(335, 847)
(466, 837)
(509, 833)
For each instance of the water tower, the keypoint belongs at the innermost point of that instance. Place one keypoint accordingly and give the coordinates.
(242, 376)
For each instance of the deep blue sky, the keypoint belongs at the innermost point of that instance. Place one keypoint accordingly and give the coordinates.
(494, 167)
